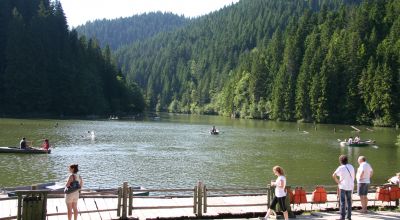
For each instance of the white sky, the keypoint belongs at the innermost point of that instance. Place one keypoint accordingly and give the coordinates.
(80, 11)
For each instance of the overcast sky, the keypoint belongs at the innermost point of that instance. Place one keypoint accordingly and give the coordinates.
(80, 11)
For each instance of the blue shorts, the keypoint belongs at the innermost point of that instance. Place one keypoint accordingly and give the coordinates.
(362, 189)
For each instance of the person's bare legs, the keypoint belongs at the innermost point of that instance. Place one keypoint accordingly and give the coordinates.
(69, 211)
(286, 215)
(364, 203)
(267, 214)
(75, 208)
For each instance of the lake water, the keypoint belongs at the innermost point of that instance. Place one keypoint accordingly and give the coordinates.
(176, 151)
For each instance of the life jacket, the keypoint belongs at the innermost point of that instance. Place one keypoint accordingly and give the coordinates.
(291, 196)
(299, 195)
(382, 194)
(319, 195)
(394, 192)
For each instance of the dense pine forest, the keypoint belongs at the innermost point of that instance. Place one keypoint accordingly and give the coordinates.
(46, 69)
(321, 61)
(122, 31)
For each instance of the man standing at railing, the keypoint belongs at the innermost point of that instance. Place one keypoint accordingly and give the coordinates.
(345, 172)
(364, 174)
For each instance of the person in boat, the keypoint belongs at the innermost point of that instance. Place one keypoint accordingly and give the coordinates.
(395, 179)
(350, 140)
(357, 139)
(23, 144)
(213, 130)
(46, 144)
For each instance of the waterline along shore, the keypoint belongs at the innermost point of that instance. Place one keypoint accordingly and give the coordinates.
(190, 203)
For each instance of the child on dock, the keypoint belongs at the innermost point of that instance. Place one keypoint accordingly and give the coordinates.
(280, 193)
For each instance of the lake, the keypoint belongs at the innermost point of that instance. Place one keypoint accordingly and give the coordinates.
(175, 151)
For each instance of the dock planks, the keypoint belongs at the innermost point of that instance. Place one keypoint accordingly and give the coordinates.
(152, 207)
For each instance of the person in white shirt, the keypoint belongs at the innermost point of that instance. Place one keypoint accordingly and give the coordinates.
(280, 193)
(395, 179)
(345, 172)
(350, 140)
(364, 174)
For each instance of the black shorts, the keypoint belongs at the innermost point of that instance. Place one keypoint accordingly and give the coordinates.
(281, 201)
(362, 189)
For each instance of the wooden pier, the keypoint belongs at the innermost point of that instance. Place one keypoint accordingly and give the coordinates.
(192, 203)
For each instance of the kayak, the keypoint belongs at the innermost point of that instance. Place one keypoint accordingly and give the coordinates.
(23, 151)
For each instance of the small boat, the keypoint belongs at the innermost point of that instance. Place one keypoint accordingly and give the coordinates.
(51, 186)
(216, 132)
(358, 144)
(23, 151)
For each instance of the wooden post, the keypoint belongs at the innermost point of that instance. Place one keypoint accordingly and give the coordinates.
(124, 200)
(119, 201)
(19, 210)
(130, 207)
(195, 200)
(269, 195)
(199, 199)
(287, 203)
(205, 199)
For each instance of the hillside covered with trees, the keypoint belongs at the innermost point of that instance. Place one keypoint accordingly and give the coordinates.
(315, 60)
(122, 31)
(45, 69)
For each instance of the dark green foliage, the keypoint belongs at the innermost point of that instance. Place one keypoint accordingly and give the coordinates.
(327, 61)
(46, 69)
(123, 31)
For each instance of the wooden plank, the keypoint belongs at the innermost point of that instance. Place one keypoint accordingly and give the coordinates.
(90, 205)
(82, 207)
(101, 205)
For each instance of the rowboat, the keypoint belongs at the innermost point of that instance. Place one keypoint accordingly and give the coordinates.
(216, 132)
(23, 151)
(51, 186)
(358, 144)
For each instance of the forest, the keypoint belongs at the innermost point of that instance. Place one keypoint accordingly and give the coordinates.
(47, 70)
(320, 61)
(122, 31)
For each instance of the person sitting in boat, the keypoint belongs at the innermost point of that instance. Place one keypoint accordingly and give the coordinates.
(46, 144)
(23, 144)
(357, 139)
(395, 180)
(350, 141)
(213, 130)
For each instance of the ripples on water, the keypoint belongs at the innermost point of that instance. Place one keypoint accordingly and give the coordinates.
(178, 150)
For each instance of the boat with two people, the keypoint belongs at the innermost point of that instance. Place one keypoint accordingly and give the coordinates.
(25, 149)
(356, 142)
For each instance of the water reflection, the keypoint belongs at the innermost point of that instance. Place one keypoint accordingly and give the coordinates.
(177, 151)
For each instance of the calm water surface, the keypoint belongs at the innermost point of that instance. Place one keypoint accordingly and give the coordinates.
(177, 151)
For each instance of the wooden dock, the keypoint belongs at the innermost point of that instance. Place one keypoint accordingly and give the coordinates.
(92, 206)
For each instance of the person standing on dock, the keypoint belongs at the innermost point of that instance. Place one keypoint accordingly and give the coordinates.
(364, 174)
(280, 193)
(345, 172)
(71, 199)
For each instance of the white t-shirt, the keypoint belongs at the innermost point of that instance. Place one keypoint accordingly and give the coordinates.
(364, 166)
(280, 192)
(346, 176)
(395, 180)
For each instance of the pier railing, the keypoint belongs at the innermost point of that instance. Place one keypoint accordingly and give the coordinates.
(199, 199)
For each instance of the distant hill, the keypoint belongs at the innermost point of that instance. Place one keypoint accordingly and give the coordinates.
(122, 31)
(326, 61)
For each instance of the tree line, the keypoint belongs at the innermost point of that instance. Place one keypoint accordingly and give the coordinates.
(125, 31)
(46, 69)
(316, 61)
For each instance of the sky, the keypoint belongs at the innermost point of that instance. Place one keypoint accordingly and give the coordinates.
(80, 11)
